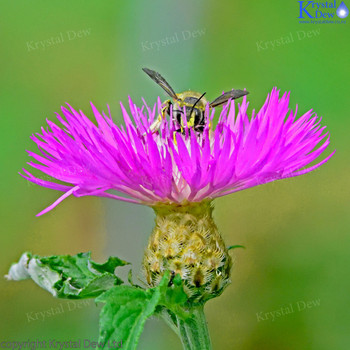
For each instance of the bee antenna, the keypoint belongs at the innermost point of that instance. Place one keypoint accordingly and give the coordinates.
(196, 103)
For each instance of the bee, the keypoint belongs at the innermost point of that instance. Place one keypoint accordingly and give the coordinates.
(194, 102)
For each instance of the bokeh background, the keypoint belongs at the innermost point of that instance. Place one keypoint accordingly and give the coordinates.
(296, 231)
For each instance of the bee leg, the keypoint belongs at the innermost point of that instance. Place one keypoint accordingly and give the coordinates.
(166, 107)
(174, 137)
(165, 110)
(156, 124)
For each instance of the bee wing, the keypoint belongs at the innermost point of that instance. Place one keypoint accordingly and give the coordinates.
(161, 82)
(226, 96)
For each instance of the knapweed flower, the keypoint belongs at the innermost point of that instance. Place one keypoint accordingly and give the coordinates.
(179, 173)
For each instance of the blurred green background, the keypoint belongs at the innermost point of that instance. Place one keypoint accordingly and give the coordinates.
(296, 231)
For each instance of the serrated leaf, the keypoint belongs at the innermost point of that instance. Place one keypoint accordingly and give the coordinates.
(109, 265)
(67, 276)
(124, 314)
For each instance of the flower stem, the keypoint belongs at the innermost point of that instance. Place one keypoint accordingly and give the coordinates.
(194, 332)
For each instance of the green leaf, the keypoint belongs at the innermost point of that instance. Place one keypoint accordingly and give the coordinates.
(173, 296)
(127, 308)
(124, 314)
(235, 246)
(67, 276)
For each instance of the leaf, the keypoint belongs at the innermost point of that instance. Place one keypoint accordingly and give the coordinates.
(67, 276)
(127, 308)
(173, 296)
(123, 316)
(235, 246)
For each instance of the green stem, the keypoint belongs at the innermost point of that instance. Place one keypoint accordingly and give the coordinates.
(194, 332)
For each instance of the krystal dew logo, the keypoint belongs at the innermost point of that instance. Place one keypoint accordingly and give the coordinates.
(322, 10)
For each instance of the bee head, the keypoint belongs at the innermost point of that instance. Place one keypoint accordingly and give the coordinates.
(195, 104)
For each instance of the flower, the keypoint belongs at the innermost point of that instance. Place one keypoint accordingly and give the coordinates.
(178, 172)
(170, 167)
